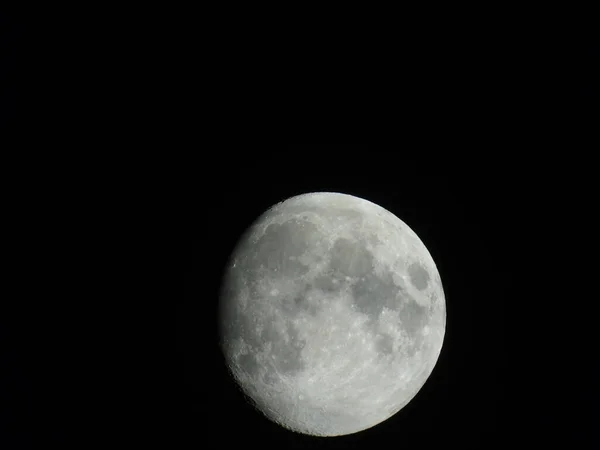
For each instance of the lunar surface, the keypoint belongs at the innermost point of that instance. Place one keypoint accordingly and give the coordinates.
(332, 314)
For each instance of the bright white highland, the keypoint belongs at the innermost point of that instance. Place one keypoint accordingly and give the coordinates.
(332, 314)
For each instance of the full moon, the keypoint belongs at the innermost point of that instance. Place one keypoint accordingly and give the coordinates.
(331, 314)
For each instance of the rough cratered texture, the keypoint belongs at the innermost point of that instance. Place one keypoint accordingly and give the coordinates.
(332, 314)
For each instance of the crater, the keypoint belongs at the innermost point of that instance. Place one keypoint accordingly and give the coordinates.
(419, 277)
(286, 352)
(285, 347)
(236, 325)
(248, 364)
(270, 377)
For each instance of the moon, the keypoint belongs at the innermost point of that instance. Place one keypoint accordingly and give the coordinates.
(331, 314)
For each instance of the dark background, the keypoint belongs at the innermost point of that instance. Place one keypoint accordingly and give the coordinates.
(130, 156)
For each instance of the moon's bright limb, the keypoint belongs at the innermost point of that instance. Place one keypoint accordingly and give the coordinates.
(332, 314)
